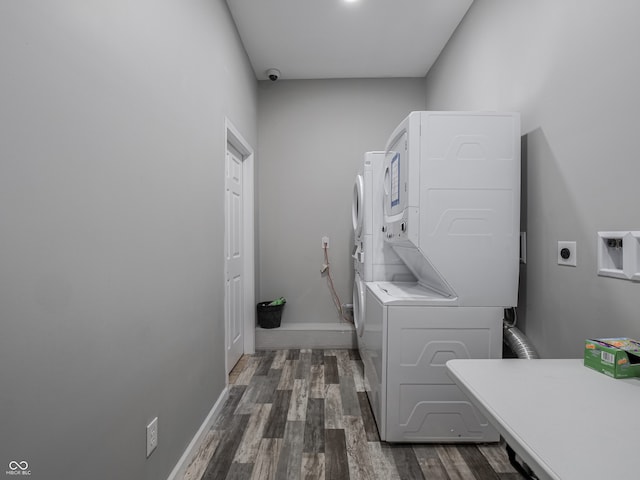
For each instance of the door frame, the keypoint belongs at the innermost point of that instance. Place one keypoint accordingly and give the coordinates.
(234, 137)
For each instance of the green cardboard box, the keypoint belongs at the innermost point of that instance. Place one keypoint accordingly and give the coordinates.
(616, 357)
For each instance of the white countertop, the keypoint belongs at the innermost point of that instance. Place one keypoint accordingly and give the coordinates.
(566, 421)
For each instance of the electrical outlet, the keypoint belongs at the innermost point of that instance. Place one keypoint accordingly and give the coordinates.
(152, 436)
(325, 242)
(567, 253)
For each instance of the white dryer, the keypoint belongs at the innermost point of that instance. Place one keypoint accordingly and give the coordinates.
(357, 208)
(452, 203)
(373, 258)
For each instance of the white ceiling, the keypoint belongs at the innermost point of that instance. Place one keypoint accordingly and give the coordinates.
(339, 39)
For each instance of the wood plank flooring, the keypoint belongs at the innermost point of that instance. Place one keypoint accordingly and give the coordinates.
(304, 415)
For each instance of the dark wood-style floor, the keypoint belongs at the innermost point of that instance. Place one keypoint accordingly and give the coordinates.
(304, 414)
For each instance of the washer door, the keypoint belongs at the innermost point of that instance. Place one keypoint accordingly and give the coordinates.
(359, 305)
(357, 212)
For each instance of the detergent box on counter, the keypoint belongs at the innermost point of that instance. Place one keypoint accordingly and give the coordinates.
(616, 357)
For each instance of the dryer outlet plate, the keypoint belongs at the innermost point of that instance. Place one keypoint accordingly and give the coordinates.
(564, 258)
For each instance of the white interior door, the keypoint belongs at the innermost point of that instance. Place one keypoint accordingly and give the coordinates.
(234, 258)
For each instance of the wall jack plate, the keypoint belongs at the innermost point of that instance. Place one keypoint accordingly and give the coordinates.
(152, 436)
(567, 253)
(619, 255)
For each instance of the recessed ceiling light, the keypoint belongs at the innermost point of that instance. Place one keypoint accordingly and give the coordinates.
(351, 1)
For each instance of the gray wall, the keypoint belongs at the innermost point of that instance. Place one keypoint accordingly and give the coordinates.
(111, 206)
(571, 68)
(312, 137)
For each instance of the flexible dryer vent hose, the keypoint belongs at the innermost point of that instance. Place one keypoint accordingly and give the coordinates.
(521, 346)
(519, 343)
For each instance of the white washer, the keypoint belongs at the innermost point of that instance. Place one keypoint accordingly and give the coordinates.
(410, 333)
(359, 291)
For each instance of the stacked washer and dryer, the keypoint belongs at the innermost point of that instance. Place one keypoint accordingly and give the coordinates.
(445, 217)
(373, 258)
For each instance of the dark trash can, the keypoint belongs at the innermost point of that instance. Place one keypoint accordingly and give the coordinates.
(269, 316)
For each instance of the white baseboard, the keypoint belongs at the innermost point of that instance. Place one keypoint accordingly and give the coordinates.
(306, 335)
(196, 442)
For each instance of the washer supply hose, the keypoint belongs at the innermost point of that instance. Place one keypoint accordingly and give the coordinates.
(334, 295)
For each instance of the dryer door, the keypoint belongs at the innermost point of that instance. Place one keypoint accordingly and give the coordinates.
(358, 306)
(357, 207)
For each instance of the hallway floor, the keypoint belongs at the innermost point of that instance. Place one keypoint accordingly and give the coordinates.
(304, 414)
